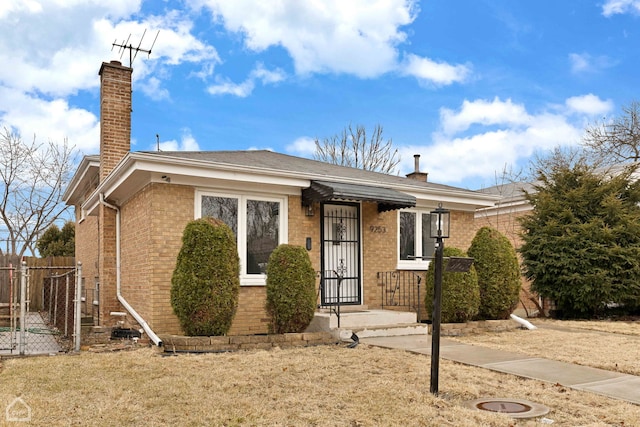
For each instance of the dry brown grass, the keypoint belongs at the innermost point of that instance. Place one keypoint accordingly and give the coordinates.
(617, 327)
(319, 386)
(614, 346)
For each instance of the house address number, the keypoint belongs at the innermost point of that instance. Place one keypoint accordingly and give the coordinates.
(378, 229)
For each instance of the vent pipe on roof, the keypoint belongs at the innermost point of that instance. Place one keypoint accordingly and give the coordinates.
(416, 174)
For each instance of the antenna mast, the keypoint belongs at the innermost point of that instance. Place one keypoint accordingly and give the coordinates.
(126, 45)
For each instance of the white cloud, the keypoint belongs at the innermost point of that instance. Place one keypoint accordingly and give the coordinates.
(614, 7)
(586, 63)
(187, 143)
(267, 76)
(55, 49)
(303, 146)
(152, 88)
(224, 86)
(483, 112)
(435, 73)
(356, 37)
(590, 105)
(579, 62)
(481, 137)
(53, 120)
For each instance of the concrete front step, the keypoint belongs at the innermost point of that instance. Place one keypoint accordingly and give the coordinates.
(344, 334)
(325, 321)
(367, 323)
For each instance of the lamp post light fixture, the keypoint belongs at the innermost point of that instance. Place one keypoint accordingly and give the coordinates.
(440, 226)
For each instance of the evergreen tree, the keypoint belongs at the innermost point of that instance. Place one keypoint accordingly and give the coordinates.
(56, 242)
(582, 240)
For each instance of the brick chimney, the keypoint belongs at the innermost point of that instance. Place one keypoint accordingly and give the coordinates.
(115, 115)
(115, 143)
(416, 174)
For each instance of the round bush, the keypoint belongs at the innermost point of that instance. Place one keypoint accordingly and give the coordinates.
(205, 282)
(498, 273)
(291, 293)
(460, 292)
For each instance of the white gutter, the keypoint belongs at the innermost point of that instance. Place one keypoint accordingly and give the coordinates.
(156, 340)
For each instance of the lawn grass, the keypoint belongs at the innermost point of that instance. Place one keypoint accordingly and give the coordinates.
(317, 386)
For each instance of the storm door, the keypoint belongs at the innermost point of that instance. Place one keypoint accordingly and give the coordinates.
(340, 235)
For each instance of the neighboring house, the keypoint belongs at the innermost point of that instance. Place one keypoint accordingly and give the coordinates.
(132, 207)
(503, 216)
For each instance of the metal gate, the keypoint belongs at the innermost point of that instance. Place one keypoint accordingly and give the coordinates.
(51, 327)
(340, 258)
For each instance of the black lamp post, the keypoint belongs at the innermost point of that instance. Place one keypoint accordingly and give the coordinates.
(440, 225)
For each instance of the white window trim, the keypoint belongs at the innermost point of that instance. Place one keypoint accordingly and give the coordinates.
(416, 264)
(242, 197)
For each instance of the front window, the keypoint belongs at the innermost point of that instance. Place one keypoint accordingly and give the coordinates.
(257, 223)
(222, 208)
(262, 233)
(415, 245)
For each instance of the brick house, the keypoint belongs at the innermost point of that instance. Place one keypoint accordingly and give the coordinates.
(131, 209)
(504, 217)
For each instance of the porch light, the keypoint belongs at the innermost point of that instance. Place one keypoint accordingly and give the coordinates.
(440, 224)
(308, 209)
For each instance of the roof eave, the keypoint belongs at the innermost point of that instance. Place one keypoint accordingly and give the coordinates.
(470, 199)
(83, 174)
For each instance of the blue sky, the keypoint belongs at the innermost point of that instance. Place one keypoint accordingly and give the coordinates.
(473, 86)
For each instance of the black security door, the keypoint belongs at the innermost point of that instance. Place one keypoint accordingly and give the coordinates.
(340, 234)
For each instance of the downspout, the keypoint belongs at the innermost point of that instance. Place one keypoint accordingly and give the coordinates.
(152, 336)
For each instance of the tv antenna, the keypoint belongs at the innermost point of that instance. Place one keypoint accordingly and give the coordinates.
(127, 45)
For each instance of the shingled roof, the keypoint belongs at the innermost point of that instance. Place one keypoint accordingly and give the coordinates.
(275, 162)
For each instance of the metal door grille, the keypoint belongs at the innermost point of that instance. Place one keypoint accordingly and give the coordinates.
(340, 254)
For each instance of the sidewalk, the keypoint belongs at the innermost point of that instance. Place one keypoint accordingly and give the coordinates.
(611, 384)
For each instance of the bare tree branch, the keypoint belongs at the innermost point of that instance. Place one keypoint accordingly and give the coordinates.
(616, 140)
(351, 148)
(32, 179)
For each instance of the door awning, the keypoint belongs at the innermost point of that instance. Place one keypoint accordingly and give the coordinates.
(387, 199)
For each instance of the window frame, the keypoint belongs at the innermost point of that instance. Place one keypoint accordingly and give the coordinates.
(418, 263)
(242, 197)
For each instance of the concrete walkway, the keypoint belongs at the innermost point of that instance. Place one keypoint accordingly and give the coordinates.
(611, 384)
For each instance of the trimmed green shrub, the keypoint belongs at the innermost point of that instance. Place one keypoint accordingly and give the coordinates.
(291, 293)
(460, 291)
(498, 273)
(205, 282)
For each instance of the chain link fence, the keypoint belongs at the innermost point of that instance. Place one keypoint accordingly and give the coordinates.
(52, 323)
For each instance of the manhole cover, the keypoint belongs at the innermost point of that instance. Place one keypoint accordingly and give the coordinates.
(515, 408)
(510, 407)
